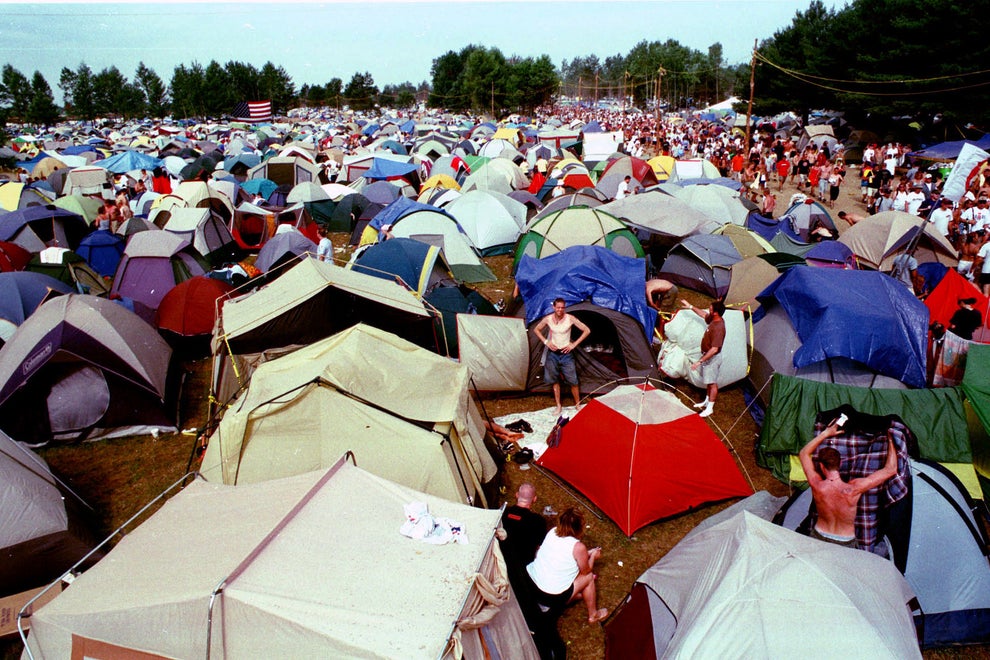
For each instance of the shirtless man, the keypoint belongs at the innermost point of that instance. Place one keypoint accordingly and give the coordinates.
(560, 362)
(836, 499)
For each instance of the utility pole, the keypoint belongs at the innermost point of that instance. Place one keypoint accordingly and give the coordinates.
(752, 88)
(579, 89)
(596, 89)
(625, 89)
(656, 98)
(493, 100)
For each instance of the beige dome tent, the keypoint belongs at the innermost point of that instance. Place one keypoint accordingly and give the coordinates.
(311, 566)
(878, 239)
(406, 414)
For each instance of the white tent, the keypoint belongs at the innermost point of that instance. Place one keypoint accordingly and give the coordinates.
(312, 566)
(746, 588)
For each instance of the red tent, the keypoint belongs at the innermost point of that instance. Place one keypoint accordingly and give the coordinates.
(641, 455)
(943, 301)
(13, 257)
(189, 308)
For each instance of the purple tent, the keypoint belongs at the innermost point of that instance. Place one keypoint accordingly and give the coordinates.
(153, 263)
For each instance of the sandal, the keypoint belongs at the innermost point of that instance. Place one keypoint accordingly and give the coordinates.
(600, 615)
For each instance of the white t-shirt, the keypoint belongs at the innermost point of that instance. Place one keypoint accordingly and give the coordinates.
(324, 251)
(913, 202)
(984, 254)
(622, 191)
(941, 217)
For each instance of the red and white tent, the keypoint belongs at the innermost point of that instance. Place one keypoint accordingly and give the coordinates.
(641, 455)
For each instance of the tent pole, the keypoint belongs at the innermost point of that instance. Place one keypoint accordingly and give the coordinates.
(566, 489)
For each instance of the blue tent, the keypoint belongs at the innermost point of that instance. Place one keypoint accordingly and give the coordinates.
(402, 207)
(263, 187)
(418, 264)
(128, 161)
(103, 251)
(592, 127)
(22, 292)
(864, 316)
(586, 272)
(384, 168)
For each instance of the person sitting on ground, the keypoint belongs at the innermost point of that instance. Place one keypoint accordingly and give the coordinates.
(835, 499)
(562, 570)
(503, 434)
(965, 320)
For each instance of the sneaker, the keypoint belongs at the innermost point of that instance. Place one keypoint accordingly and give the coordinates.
(707, 411)
(701, 404)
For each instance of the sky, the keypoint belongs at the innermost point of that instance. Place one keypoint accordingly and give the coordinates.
(394, 41)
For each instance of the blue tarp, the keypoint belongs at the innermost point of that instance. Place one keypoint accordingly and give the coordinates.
(401, 208)
(950, 150)
(862, 315)
(128, 161)
(721, 181)
(383, 168)
(586, 272)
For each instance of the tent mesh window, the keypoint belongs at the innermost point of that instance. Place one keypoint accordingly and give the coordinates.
(603, 344)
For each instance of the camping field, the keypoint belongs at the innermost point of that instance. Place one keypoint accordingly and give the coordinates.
(118, 477)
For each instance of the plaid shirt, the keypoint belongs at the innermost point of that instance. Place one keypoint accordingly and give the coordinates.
(864, 451)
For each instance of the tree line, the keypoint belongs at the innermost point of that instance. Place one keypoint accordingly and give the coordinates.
(873, 58)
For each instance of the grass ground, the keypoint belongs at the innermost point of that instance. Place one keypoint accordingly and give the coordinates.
(117, 477)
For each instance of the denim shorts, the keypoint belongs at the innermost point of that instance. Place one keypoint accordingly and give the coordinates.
(560, 366)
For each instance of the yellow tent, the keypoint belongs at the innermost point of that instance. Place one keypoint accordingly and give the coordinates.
(440, 181)
(663, 166)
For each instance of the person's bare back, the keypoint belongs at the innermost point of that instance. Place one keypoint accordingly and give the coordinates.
(836, 500)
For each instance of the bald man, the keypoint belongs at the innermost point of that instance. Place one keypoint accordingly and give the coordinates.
(524, 528)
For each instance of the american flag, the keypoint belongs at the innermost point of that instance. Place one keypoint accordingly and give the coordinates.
(253, 111)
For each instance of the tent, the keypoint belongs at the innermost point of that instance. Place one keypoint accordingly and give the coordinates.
(310, 301)
(353, 392)
(103, 251)
(285, 170)
(492, 221)
(662, 215)
(744, 587)
(128, 161)
(719, 203)
(662, 458)
(206, 231)
(878, 239)
(261, 584)
(431, 225)
(69, 268)
(577, 225)
(940, 546)
(38, 227)
(976, 385)
(13, 257)
(89, 180)
(20, 294)
(843, 326)
(616, 170)
(153, 263)
(702, 263)
(190, 308)
(281, 249)
(747, 279)
(419, 266)
(83, 367)
(43, 528)
(252, 226)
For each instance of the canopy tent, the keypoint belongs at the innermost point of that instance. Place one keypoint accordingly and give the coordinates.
(83, 367)
(266, 545)
(662, 458)
(404, 412)
(698, 600)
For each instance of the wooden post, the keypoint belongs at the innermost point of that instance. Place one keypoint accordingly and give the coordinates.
(752, 87)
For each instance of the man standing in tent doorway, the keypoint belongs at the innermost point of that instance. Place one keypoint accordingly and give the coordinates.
(710, 361)
(835, 499)
(559, 363)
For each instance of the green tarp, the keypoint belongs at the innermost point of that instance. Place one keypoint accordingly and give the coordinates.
(976, 385)
(937, 417)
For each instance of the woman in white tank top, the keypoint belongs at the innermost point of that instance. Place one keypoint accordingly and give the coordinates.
(562, 569)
